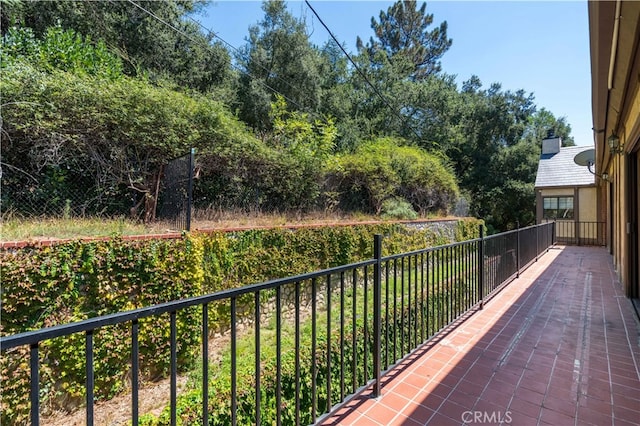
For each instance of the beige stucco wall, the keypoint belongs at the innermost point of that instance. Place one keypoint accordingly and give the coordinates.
(555, 192)
(587, 208)
(585, 202)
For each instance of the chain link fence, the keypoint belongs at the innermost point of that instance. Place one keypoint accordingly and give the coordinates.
(59, 192)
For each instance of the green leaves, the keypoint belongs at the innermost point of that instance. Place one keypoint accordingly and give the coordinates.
(60, 49)
(383, 169)
(403, 31)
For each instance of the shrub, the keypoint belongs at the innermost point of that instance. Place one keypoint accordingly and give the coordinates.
(385, 168)
(397, 208)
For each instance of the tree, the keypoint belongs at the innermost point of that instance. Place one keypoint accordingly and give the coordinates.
(493, 160)
(278, 59)
(543, 121)
(178, 51)
(403, 31)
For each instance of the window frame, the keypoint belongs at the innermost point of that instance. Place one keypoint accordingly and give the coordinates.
(557, 204)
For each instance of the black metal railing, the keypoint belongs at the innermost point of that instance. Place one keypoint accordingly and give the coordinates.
(337, 331)
(571, 232)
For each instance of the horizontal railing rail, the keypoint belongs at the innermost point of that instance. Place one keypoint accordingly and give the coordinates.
(578, 233)
(350, 325)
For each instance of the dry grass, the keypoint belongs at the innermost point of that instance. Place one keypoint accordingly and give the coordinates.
(18, 229)
(30, 229)
(216, 219)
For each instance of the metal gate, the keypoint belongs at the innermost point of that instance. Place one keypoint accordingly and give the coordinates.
(176, 193)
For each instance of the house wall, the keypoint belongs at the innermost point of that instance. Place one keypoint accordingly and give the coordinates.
(585, 202)
(587, 209)
(626, 194)
(615, 67)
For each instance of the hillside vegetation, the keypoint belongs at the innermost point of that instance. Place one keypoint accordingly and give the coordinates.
(98, 96)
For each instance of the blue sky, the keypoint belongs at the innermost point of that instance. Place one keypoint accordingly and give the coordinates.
(541, 47)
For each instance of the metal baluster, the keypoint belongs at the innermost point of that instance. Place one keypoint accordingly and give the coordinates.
(90, 381)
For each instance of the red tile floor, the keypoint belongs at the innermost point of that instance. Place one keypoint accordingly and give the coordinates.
(560, 346)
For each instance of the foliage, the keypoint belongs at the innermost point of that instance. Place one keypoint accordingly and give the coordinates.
(277, 59)
(328, 356)
(72, 281)
(60, 50)
(542, 122)
(175, 49)
(73, 121)
(112, 136)
(403, 31)
(382, 169)
(491, 122)
(397, 208)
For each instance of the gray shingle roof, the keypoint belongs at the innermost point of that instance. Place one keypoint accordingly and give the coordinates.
(560, 169)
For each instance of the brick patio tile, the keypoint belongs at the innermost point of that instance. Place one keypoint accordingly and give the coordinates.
(528, 395)
(452, 410)
(619, 422)
(593, 417)
(442, 420)
(556, 418)
(381, 414)
(497, 396)
(365, 421)
(472, 386)
(432, 399)
(626, 414)
(419, 412)
(463, 399)
(626, 402)
(561, 406)
(406, 391)
(441, 390)
(520, 419)
(626, 391)
(525, 407)
(595, 404)
(535, 385)
(517, 375)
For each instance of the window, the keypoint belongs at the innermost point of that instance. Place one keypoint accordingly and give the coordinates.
(557, 207)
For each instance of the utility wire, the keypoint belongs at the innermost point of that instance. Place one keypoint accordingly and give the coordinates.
(246, 59)
(179, 31)
(364, 77)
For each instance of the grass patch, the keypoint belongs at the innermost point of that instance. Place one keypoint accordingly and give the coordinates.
(15, 229)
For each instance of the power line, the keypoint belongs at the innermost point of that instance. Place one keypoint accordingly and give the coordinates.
(364, 77)
(241, 54)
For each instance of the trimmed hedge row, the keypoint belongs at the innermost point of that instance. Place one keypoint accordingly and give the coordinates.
(73, 281)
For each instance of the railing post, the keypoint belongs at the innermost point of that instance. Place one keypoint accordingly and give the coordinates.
(377, 311)
(537, 228)
(481, 267)
(34, 394)
(553, 233)
(517, 248)
(192, 164)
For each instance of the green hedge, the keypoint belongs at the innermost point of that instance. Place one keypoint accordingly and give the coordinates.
(73, 281)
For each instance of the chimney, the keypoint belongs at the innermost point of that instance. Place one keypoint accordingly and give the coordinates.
(551, 144)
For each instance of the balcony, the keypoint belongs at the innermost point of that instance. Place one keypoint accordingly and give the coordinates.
(559, 345)
(502, 329)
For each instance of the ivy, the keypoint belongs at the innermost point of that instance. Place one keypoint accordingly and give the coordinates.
(43, 287)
